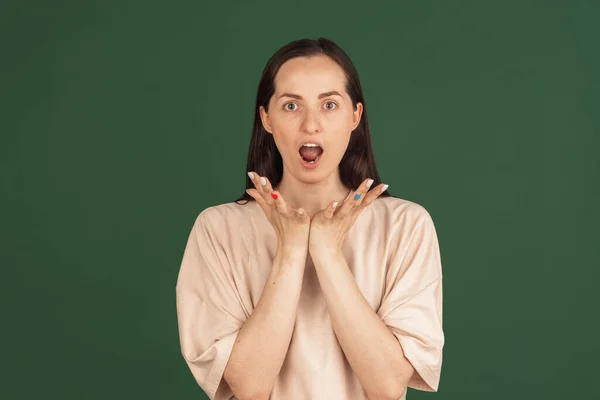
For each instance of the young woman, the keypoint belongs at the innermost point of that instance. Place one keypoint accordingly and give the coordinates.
(321, 285)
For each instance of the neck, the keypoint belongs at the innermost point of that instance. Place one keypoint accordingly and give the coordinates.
(312, 196)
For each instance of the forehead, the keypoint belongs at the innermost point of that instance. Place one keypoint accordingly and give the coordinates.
(310, 75)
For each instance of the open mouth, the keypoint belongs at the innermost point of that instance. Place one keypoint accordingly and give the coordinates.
(310, 153)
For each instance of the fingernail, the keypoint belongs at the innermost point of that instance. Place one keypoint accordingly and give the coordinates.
(251, 175)
(334, 205)
(248, 191)
(263, 181)
(300, 212)
(384, 187)
(369, 183)
(274, 196)
(357, 196)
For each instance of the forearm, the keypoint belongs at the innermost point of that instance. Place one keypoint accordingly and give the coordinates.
(263, 341)
(373, 352)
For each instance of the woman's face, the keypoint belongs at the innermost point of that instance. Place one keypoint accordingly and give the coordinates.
(311, 105)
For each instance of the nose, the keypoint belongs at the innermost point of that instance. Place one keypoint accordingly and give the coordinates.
(311, 123)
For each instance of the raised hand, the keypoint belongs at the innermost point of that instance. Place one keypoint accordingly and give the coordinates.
(292, 225)
(328, 227)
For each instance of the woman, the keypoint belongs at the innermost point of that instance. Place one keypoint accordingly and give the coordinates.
(321, 285)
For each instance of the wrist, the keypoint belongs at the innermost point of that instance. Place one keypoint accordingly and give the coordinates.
(325, 251)
(291, 254)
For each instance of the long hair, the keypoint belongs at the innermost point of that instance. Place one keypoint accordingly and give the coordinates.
(358, 162)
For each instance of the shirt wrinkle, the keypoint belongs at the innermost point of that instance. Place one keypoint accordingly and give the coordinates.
(236, 243)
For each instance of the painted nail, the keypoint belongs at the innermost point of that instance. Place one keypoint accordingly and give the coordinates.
(384, 187)
(274, 195)
(369, 183)
(251, 176)
(357, 196)
(334, 205)
(263, 181)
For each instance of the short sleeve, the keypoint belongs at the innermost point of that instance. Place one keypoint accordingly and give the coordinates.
(209, 315)
(412, 305)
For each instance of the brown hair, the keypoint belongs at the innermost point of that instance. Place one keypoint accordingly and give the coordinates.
(357, 164)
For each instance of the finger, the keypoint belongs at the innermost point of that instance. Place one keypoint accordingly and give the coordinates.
(266, 189)
(285, 208)
(356, 198)
(262, 184)
(259, 199)
(255, 178)
(279, 202)
(302, 214)
(374, 193)
(330, 210)
(360, 194)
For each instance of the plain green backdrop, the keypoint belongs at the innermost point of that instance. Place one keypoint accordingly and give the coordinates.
(121, 121)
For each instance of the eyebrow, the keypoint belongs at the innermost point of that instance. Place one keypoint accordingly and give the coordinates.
(298, 97)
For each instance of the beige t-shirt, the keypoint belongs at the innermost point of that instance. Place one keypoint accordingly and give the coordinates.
(393, 252)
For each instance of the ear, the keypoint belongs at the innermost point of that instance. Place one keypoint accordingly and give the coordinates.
(264, 117)
(356, 115)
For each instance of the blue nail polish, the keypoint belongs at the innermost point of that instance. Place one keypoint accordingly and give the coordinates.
(357, 196)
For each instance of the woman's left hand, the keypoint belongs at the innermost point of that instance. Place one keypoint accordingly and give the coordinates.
(328, 227)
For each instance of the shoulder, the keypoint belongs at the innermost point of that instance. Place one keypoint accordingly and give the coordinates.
(226, 217)
(226, 212)
(397, 210)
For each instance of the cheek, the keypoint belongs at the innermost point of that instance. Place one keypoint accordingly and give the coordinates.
(284, 132)
(286, 123)
(339, 121)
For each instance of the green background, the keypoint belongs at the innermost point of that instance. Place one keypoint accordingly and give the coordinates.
(122, 120)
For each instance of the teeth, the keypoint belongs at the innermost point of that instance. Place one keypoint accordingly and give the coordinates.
(310, 145)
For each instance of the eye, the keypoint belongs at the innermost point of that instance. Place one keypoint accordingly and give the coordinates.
(286, 108)
(333, 105)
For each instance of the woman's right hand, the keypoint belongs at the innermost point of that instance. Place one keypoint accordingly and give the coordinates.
(292, 225)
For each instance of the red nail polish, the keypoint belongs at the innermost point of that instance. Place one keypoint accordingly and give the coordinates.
(274, 195)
